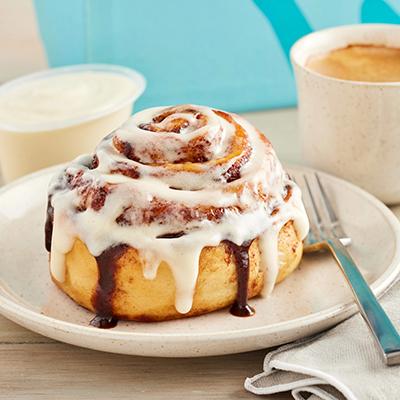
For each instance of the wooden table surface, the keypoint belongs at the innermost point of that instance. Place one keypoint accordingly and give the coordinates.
(34, 367)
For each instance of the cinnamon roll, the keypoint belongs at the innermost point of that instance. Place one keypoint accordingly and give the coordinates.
(182, 211)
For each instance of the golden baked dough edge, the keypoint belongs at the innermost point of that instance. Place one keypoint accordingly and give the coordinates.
(137, 298)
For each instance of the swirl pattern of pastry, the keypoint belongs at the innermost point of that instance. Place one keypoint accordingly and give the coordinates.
(170, 182)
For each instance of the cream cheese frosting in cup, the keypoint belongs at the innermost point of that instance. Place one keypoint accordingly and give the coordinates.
(52, 116)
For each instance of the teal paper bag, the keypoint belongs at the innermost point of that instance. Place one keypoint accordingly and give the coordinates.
(230, 54)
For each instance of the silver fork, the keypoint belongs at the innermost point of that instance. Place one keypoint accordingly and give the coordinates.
(325, 231)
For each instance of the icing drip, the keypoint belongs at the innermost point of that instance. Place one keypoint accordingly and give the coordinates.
(170, 182)
(240, 308)
(268, 245)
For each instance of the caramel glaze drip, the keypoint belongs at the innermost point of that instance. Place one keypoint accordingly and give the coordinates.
(107, 267)
(48, 227)
(102, 298)
(240, 308)
(173, 235)
(104, 322)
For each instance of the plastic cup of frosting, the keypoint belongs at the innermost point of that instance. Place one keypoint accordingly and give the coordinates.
(52, 116)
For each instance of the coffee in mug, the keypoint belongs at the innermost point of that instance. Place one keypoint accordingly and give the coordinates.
(359, 62)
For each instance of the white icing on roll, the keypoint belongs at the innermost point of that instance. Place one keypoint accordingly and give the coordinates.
(149, 181)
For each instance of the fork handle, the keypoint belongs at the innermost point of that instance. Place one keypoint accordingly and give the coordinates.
(378, 321)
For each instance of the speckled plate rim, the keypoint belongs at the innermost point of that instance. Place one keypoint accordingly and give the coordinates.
(27, 317)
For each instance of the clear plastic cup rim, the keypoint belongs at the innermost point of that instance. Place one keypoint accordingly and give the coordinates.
(135, 76)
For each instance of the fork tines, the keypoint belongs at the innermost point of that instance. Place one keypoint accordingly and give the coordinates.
(323, 218)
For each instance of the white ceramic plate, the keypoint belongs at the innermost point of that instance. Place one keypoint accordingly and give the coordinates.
(313, 298)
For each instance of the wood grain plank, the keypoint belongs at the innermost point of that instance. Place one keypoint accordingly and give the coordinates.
(11, 333)
(59, 371)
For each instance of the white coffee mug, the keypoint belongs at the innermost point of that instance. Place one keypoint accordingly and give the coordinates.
(349, 128)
